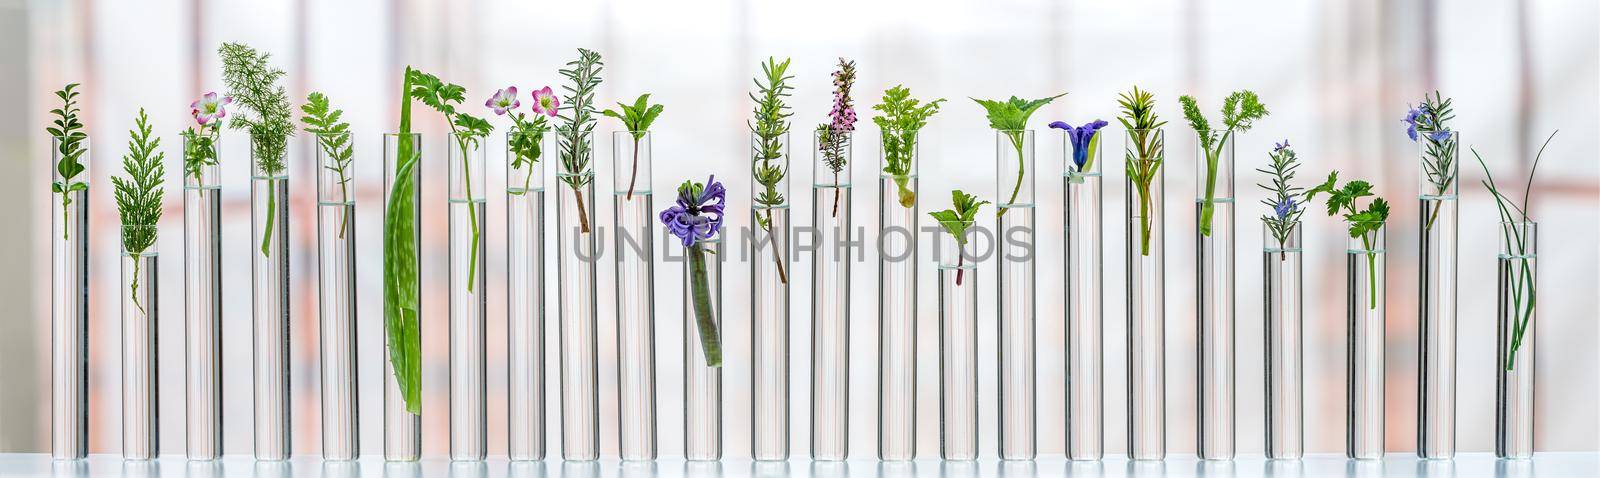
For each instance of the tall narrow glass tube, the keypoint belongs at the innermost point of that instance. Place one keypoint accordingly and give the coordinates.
(1436, 297)
(580, 392)
(139, 317)
(830, 295)
(1147, 310)
(1085, 304)
(1365, 259)
(702, 384)
(769, 305)
(468, 301)
(202, 296)
(636, 292)
(525, 302)
(69, 300)
(1514, 364)
(402, 174)
(1283, 273)
(897, 296)
(1014, 237)
(1214, 241)
(269, 207)
(958, 347)
(336, 272)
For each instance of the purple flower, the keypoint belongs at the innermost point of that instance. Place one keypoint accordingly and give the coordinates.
(1284, 207)
(209, 107)
(697, 215)
(545, 102)
(1439, 136)
(1080, 137)
(1411, 121)
(1279, 147)
(503, 100)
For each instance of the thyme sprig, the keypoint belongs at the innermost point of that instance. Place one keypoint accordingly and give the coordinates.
(1010, 117)
(333, 136)
(577, 110)
(70, 148)
(467, 131)
(1239, 112)
(637, 119)
(139, 195)
(1145, 159)
(1520, 240)
(770, 125)
(901, 118)
(1285, 209)
(1363, 224)
(256, 85)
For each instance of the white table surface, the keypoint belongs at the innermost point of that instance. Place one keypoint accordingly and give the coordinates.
(1394, 465)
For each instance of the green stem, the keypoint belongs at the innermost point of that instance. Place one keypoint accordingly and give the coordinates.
(272, 208)
(472, 211)
(1207, 208)
(705, 315)
(1144, 219)
(777, 257)
(66, 201)
(635, 177)
(1022, 164)
(344, 198)
(1372, 272)
(133, 287)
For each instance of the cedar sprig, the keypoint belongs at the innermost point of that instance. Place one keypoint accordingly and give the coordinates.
(139, 195)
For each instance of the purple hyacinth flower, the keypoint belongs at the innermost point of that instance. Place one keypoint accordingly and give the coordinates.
(697, 213)
(1080, 137)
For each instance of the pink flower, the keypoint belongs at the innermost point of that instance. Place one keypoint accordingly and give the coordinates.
(545, 102)
(503, 100)
(209, 107)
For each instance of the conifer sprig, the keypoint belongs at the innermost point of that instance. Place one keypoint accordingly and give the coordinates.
(139, 195)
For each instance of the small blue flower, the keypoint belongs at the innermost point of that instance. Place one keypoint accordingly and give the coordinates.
(1284, 208)
(1411, 121)
(1080, 137)
(1439, 136)
(697, 214)
(1279, 147)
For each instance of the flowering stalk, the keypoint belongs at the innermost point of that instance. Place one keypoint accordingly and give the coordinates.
(695, 218)
(1285, 210)
(1239, 111)
(1146, 157)
(1363, 224)
(1523, 305)
(1011, 118)
(842, 119)
(637, 119)
(525, 133)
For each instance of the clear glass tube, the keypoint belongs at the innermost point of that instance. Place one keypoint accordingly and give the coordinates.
(702, 384)
(897, 296)
(1515, 315)
(1436, 297)
(1283, 271)
(202, 298)
(1365, 259)
(769, 307)
(269, 208)
(402, 212)
(525, 346)
(140, 438)
(1018, 408)
(830, 295)
(1214, 290)
(580, 392)
(336, 272)
(469, 303)
(636, 292)
(69, 301)
(958, 347)
(1085, 262)
(1147, 310)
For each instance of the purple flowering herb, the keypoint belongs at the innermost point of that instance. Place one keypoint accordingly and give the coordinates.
(1427, 123)
(1084, 142)
(833, 138)
(695, 218)
(1286, 209)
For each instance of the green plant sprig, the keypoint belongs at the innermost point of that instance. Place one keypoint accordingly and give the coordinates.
(637, 119)
(1363, 224)
(467, 131)
(900, 118)
(577, 110)
(139, 195)
(834, 135)
(333, 136)
(200, 148)
(1438, 156)
(255, 84)
(1239, 112)
(402, 296)
(1010, 117)
(962, 215)
(1523, 287)
(525, 146)
(1145, 159)
(770, 124)
(1281, 171)
(69, 131)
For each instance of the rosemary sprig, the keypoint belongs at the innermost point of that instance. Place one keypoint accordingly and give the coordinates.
(139, 195)
(1010, 117)
(770, 125)
(256, 85)
(901, 118)
(637, 119)
(402, 297)
(1427, 124)
(467, 131)
(962, 215)
(1239, 112)
(333, 136)
(577, 110)
(1147, 155)
(1363, 224)
(1285, 210)
(1523, 292)
(69, 131)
